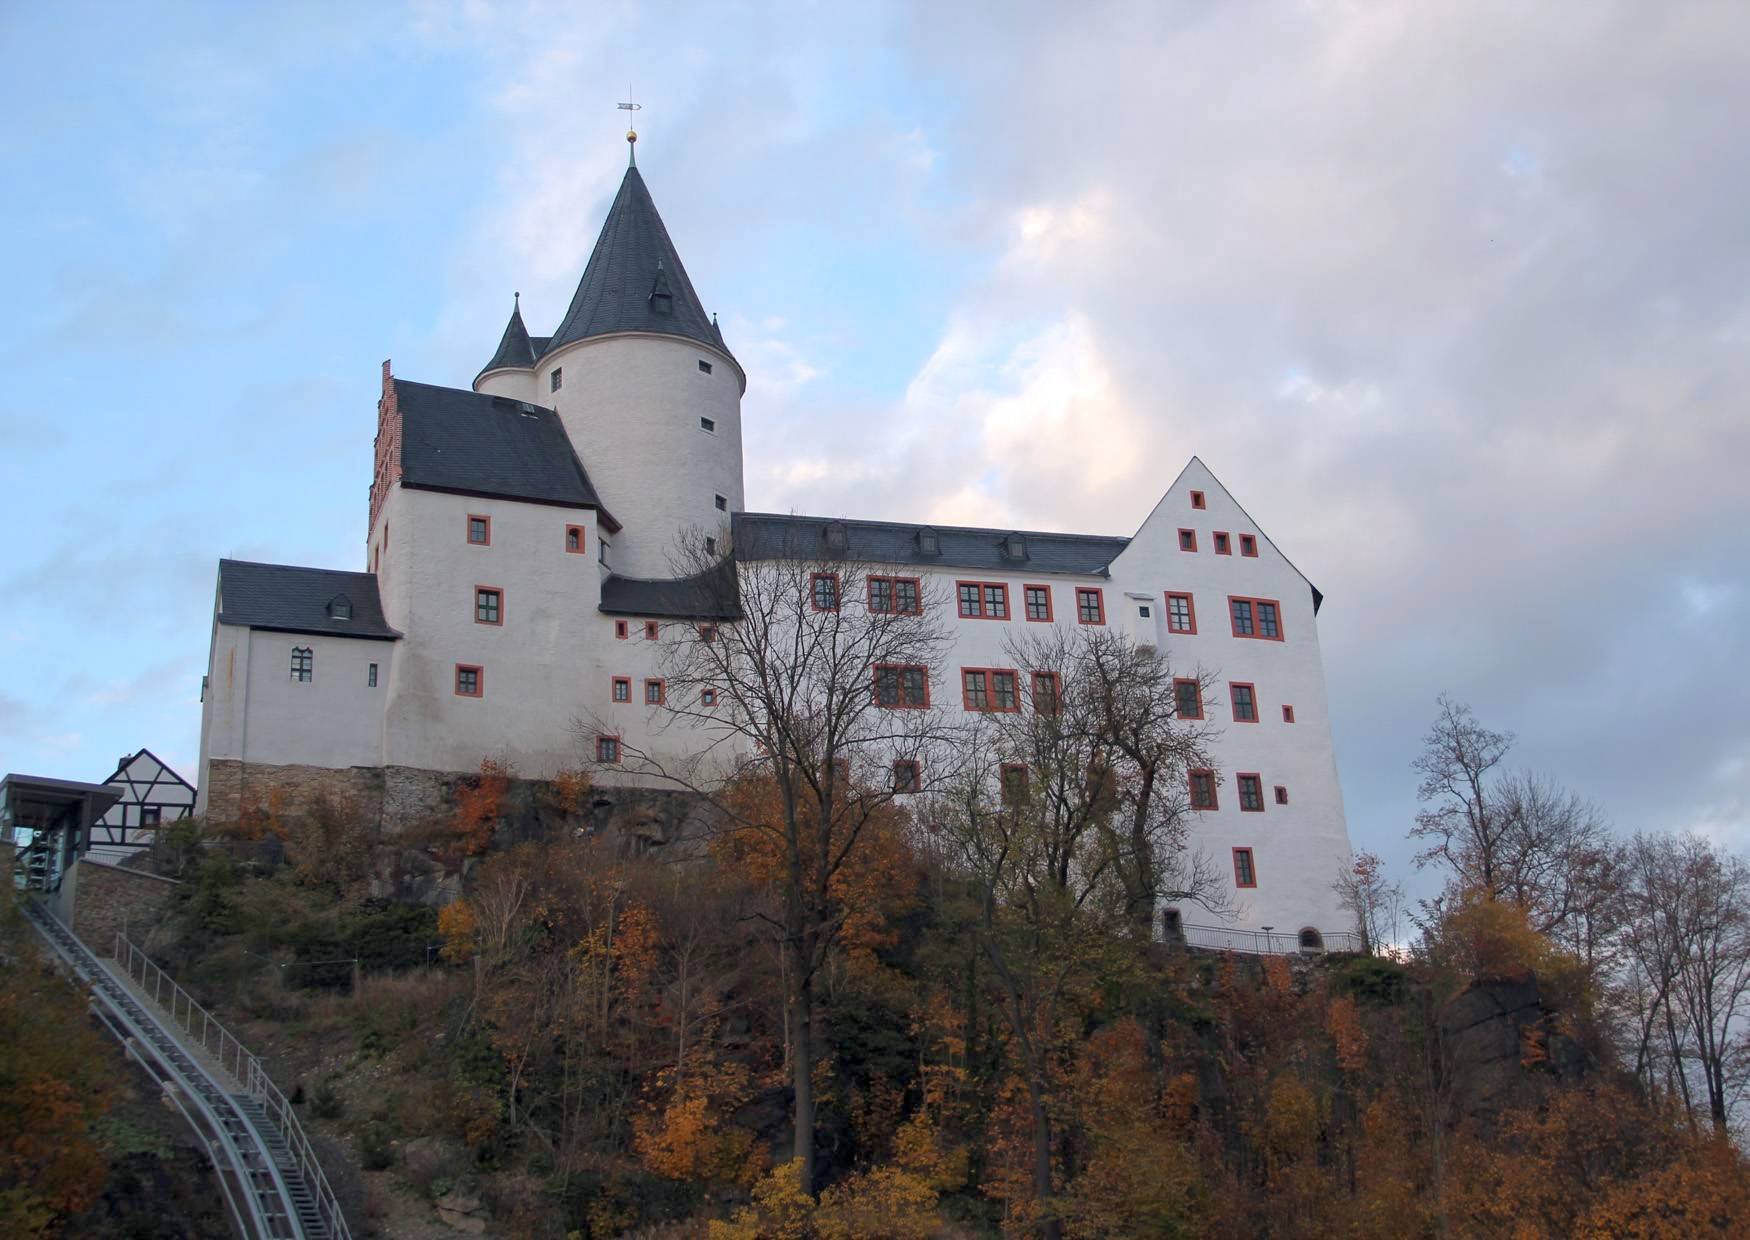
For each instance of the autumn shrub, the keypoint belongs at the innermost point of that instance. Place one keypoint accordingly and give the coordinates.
(479, 804)
(327, 842)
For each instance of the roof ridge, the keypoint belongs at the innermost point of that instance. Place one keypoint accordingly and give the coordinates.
(935, 525)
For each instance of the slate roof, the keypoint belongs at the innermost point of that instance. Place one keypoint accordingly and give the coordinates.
(293, 599)
(475, 444)
(633, 261)
(699, 597)
(770, 536)
(515, 349)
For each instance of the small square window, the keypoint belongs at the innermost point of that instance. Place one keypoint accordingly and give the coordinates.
(707, 696)
(1288, 714)
(708, 425)
(652, 630)
(151, 815)
(607, 749)
(1038, 602)
(557, 380)
(622, 688)
(480, 531)
(905, 776)
(468, 681)
(1245, 873)
(710, 545)
(720, 502)
(574, 539)
(707, 633)
(704, 367)
(1142, 611)
(1187, 540)
(1281, 794)
(1197, 499)
(1223, 545)
(371, 676)
(488, 605)
(655, 692)
(621, 630)
(1249, 545)
(1251, 793)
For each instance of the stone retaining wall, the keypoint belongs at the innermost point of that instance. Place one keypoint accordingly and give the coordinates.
(97, 899)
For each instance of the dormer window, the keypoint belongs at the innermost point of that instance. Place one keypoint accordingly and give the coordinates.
(1015, 547)
(838, 538)
(929, 542)
(340, 608)
(662, 302)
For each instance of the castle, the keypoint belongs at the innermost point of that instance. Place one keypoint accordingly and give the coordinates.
(518, 578)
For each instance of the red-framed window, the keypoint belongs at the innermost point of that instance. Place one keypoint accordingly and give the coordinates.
(908, 776)
(1181, 613)
(655, 691)
(707, 633)
(652, 631)
(1251, 789)
(574, 540)
(1245, 869)
(622, 629)
(1287, 714)
(470, 680)
(1243, 699)
(982, 600)
(1203, 790)
(1090, 605)
(1036, 602)
(902, 685)
(1047, 693)
(1013, 779)
(1187, 540)
(990, 689)
(1282, 794)
(1259, 618)
(1223, 544)
(1197, 500)
(488, 605)
(708, 697)
(823, 591)
(1249, 545)
(896, 596)
(1188, 698)
(607, 749)
(479, 529)
(622, 689)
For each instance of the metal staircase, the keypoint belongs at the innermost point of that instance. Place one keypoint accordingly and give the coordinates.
(271, 1181)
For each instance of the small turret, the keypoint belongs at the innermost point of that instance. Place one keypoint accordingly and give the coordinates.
(515, 352)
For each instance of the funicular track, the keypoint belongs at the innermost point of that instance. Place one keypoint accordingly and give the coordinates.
(267, 1171)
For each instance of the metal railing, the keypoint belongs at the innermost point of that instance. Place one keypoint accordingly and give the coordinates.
(1266, 943)
(241, 1065)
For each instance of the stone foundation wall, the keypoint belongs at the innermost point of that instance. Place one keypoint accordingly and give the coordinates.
(97, 900)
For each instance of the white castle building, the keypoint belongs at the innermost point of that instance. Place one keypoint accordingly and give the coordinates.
(517, 578)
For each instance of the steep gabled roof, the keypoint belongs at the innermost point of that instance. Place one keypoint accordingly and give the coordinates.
(770, 536)
(635, 281)
(515, 349)
(475, 444)
(294, 599)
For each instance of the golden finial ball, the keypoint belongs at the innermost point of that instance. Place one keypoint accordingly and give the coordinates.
(631, 135)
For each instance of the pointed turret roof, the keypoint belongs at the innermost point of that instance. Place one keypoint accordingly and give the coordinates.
(514, 347)
(635, 281)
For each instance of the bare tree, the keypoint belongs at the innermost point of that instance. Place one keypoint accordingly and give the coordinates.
(1376, 903)
(795, 674)
(1067, 819)
(1463, 824)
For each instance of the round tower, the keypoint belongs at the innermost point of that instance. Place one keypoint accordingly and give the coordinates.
(646, 388)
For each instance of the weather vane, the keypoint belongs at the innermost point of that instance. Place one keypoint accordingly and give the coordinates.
(631, 133)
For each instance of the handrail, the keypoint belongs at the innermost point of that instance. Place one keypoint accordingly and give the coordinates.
(244, 1067)
(1262, 943)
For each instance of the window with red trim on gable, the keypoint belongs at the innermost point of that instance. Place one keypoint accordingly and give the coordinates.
(1188, 698)
(655, 691)
(622, 689)
(607, 749)
(1014, 781)
(1249, 545)
(907, 777)
(1259, 618)
(707, 697)
(1203, 790)
(707, 633)
(622, 630)
(902, 685)
(470, 680)
(1181, 613)
(479, 530)
(1187, 540)
(1288, 714)
(982, 600)
(1245, 872)
(989, 689)
(574, 539)
(1282, 794)
(1038, 603)
(1223, 546)
(1090, 605)
(488, 605)
(895, 596)
(652, 630)
(1251, 788)
(1197, 499)
(823, 591)
(1047, 693)
(1244, 700)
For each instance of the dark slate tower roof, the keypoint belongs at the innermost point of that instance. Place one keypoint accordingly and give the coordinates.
(514, 348)
(635, 281)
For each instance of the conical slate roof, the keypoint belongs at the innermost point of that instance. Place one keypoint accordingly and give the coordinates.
(634, 281)
(514, 347)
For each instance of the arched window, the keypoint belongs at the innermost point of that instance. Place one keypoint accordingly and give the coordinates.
(303, 663)
(1311, 940)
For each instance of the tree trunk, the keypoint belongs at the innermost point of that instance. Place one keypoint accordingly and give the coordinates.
(801, 1020)
(1050, 1228)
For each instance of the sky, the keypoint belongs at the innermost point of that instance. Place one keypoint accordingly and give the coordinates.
(1454, 297)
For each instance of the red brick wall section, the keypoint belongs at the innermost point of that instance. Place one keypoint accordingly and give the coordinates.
(387, 470)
